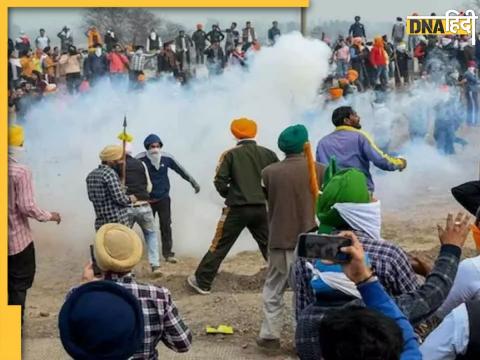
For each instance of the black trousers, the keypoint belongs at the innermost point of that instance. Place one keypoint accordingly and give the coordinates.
(73, 82)
(233, 220)
(162, 208)
(21, 272)
(468, 195)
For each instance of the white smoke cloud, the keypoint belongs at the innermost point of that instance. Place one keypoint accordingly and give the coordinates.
(65, 135)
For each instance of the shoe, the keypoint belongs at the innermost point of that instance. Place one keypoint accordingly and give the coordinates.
(192, 282)
(268, 344)
(171, 260)
(156, 270)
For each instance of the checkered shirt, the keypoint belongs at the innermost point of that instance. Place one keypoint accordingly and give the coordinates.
(21, 206)
(389, 262)
(109, 199)
(161, 319)
(137, 62)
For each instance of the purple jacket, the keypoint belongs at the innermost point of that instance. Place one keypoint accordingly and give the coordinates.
(354, 148)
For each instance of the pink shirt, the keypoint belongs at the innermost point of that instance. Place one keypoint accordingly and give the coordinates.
(343, 53)
(117, 62)
(21, 206)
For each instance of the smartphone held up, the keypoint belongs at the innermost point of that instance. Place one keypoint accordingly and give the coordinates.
(324, 247)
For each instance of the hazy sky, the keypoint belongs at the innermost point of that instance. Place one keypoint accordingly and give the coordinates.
(30, 19)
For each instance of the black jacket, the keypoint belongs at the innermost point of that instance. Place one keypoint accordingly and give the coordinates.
(357, 30)
(136, 179)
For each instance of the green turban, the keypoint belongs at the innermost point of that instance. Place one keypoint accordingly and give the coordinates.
(292, 139)
(346, 186)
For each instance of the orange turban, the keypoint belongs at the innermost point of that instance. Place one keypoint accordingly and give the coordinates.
(243, 128)
(336, 93)
(352, 75)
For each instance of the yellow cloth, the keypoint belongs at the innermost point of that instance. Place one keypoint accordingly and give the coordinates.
(221, 329)
(117, 248)
(125, 137)
(243, 128)
(16, 136)
(94, 38)
(27, 66)
(111, 153)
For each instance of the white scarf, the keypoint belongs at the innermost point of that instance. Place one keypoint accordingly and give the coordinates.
(155, 159)
(363, 217)
(335, 280)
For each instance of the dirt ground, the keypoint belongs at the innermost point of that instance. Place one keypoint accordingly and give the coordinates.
(236, 296)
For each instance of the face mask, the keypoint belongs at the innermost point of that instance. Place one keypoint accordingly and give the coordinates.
(139, 51)
(155, 157)
(98, 51)
(472, 70)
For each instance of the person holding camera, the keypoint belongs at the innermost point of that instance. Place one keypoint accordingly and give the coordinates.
(117, 250)
(290, 213)
(377, 330)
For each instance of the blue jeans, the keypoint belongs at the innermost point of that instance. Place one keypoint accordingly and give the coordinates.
(143, 216)
(382, 75)
(342, 68)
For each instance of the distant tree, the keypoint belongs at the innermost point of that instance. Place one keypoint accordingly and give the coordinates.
(108, 18)
(131, 25)
(140, 22)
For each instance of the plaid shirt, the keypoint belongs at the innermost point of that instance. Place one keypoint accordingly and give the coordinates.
(21, 206)
(417, 305)
(138, 61)
(109, 199)
(389, 262)
(161, 319)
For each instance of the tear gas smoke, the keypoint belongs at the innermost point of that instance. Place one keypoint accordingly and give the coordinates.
(65, 135)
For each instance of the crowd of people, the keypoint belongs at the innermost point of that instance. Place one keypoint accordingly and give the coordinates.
(375, 296)
(43, 65)
(401, 63)
(366, 303)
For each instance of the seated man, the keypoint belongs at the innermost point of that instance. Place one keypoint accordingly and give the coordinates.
(89, 331)
(380, 331)
(417, 304)
(118, 249)
(345, 205)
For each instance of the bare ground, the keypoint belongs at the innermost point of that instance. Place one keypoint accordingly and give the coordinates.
(236, 295)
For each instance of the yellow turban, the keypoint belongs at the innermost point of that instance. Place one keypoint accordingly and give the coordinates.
(244, 128)
(117, 248)
(16, 136)
(111, 153)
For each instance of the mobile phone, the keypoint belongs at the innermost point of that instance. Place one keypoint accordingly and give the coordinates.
(323, 247)
(96, 269)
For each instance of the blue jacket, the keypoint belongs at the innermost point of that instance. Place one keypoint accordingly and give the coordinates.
(355, 149)
(375, 297)
(159, 178)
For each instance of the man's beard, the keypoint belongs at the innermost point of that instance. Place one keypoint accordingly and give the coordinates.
(154, 159)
